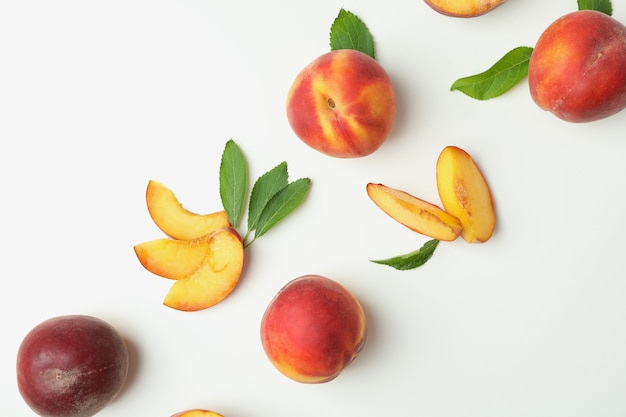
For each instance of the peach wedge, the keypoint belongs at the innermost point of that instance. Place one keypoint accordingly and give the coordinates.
(176, 221)
(170, 258)
(215, 278)
(206, 270)
(416, 214)
(465, 194)
(197, 413)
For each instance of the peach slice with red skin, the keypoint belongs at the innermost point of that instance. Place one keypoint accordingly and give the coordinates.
(197, 413)
(416, 214)
(465, 194)
(176, 221)
(463, 8)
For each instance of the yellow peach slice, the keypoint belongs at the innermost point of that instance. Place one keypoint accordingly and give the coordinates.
(171, 258)
(215, 278)
(197, 413)
(465, 194)
(416, 214)
(176, 221)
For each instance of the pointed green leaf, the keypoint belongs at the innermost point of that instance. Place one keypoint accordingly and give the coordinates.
(233, 182)
(412, 260)
(264, 189)
(349, 32)
(603, 6)
(500, 78)
(281, 204)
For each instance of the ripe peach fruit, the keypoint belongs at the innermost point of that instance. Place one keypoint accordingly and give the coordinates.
(71, 366)
(463, 8)
(342, 104)
(312, 329)
(577, 69)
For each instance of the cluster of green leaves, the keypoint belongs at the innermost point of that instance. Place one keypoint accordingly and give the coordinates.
(272, 198)
(349, 32)
(512, 68)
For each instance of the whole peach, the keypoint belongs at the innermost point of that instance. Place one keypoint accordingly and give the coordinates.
(342, 104)
(577, 69)
(312, 329)
(71, 366)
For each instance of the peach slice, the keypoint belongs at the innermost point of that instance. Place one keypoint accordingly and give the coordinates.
(463, 8)
(416, 214)
(171, 258)
(176, 221)
(465, 194)
(197, 413)
(216, 276)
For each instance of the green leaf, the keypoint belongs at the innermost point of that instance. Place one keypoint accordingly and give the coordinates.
(233, 182)
(264, 189)
(281, 204)
(500, 78)
(412, 260)
(349, 32)
(603, 6)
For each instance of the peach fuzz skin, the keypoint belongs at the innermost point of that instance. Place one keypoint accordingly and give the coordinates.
(342, 104)
(313, 329)
(577, 69)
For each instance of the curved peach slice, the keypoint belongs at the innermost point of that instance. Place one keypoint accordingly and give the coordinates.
(465, 194)
(176, 221)
(197, 413)
(214, 279)
(416, 214)
(171, 258)
(463, 8)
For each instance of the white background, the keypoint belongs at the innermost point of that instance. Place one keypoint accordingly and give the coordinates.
(96, 98)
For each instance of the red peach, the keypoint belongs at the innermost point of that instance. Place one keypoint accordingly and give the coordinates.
(312, 329)
(342, 104)
(577, 69)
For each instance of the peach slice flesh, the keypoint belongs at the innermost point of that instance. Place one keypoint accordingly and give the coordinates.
(197, 413)
(416, 214)
(215, 278)
(464, 8)
(176, 221)
(171, 258)
(465, 194)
